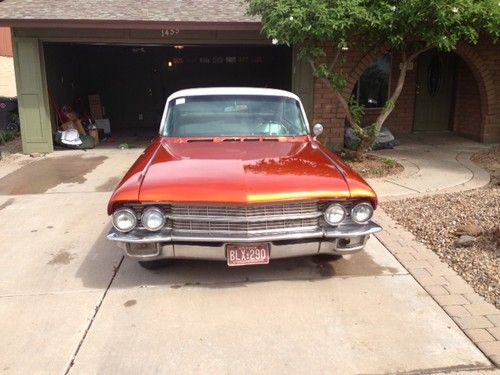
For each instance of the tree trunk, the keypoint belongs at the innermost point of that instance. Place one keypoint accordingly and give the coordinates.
(368, 140)
(364, 146)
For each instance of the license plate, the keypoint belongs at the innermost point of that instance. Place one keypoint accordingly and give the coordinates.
(244, 255)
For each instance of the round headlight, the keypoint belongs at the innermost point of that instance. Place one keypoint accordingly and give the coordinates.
(334, 214)
(362, 212)
(124, 219)
(153, 219)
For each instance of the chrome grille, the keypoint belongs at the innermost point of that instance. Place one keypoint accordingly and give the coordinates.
(249, 219)
(253, 211)
(246, 227)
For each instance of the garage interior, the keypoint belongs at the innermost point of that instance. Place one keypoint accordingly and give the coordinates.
(129, 84)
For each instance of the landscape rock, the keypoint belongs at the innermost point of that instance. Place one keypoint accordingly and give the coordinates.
(479, 263)
(36, 155)
(470, 229)
(496, 234)
(465, 241)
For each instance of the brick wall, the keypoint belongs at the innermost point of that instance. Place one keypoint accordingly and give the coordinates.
(478, 77)
(5, 42)
(467, 114)
(326, 108)
(328, 112)
(484, 61)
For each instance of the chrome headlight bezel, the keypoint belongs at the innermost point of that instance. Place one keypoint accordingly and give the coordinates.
(152, 210)
(124, 211)
(360, 206)
(335, 206)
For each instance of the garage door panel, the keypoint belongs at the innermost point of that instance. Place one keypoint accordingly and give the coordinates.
(32, 97)
(27, 52)
(30, 118)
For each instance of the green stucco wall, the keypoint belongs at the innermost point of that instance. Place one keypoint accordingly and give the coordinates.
(36, 129)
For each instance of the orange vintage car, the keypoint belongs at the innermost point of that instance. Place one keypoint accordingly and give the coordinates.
(235, 175)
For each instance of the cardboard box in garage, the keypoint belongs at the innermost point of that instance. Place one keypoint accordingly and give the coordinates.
(95, 106)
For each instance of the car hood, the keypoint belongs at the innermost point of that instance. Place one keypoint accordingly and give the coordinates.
(240, 172)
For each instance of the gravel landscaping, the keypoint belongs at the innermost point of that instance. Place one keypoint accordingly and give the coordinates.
(462, 228)
(373, 166)
(11, 147)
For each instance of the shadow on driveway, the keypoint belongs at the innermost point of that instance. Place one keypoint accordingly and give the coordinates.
(216, 274)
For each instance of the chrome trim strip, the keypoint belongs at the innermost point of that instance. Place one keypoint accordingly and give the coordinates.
(218, 252)
(341, 231)
(191, 251)
(148, 165)
(243, 219)
(339, 168)
(352, 230)
(195, 237)
(249, 232)
(262, 238)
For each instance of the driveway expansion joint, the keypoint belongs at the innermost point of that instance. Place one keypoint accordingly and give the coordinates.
(470, 312)
(97, 308)
(403, 186)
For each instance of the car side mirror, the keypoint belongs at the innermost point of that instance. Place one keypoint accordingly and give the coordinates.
(317, 130)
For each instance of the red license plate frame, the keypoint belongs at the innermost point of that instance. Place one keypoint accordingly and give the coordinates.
(247, 254)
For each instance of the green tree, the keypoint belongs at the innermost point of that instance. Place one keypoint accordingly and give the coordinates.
(410, 27)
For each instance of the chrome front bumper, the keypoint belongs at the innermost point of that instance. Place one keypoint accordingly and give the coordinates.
(339, 240)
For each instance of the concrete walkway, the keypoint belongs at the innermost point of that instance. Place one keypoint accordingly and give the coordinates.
(433, 164)
(70, 303)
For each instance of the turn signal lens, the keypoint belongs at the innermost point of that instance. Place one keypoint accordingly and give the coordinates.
(153, 219)
(124, 220)
(362, 212)
(334, 214)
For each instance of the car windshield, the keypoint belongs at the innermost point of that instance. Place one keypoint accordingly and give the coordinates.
(234, 115)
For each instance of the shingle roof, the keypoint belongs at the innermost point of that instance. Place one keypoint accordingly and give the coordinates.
(203, 11)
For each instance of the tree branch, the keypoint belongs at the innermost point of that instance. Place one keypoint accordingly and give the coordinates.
(415, 54)
(335, 59)
(313, 67)
(395, 95)
(339, 97)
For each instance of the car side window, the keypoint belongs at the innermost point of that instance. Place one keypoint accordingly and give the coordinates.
(292, 115)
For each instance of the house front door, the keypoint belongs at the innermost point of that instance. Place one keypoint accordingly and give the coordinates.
(434, 92)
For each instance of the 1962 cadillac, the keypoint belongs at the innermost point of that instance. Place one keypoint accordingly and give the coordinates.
(236, 176)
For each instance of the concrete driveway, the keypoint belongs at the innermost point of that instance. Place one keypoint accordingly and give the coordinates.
(70, 303)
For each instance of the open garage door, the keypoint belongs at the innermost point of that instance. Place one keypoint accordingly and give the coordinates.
(129, 84)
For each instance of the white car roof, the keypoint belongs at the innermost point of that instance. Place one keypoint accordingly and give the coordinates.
(231, 91)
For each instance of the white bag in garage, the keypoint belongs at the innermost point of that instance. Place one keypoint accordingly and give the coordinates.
(71, 137)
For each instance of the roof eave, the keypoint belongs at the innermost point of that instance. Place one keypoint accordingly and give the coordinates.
(131, 24)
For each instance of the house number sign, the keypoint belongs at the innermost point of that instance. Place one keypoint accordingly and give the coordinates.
(165, 33)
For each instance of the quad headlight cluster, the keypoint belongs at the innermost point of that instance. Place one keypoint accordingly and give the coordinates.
(360, 213)
(152, 219)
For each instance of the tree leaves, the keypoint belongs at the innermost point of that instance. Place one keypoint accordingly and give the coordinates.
(438, 23)
(410, 26)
